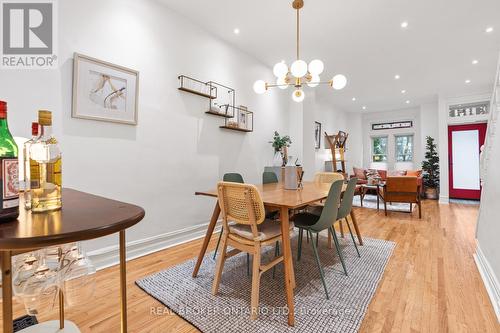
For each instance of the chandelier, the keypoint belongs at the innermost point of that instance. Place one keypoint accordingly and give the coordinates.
(300, 72)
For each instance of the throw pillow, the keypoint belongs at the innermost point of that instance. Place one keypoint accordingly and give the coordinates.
(359, 173)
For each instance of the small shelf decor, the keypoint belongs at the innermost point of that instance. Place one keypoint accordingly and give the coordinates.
(241, 121)
(221, 103)
(197, 87)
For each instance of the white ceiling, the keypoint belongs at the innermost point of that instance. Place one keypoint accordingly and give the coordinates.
(363, 39)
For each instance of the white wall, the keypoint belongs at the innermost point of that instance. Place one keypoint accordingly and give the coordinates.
(175, 149)
(368, 119)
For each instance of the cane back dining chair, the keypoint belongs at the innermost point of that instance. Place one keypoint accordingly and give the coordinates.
(235, 178)
(242, 204)
(313, 224)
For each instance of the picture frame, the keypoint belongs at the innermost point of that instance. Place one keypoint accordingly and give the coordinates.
(104, 91)
(242, 116)
(317, 135)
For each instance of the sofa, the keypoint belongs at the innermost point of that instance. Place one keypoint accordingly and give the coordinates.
(362, 175)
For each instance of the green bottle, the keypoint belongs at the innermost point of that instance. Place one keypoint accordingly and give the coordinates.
(9, 170)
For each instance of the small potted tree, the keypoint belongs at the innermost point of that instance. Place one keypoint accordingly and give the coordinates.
(430, 169)
(280, 145)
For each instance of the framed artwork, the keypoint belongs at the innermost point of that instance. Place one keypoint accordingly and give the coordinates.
(104, 91)
(242, 116)
(317, 135)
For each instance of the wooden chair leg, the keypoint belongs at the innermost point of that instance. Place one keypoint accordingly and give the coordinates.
(218, 242)
(385, 208)
(411, 208)
(341, 228)
(220, 265)
(255, 283)
(419, 209)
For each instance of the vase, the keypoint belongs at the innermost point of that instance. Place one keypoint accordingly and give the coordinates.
(277, 159)
(431, 193)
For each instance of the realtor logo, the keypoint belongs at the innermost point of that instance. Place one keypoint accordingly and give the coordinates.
(28, 34)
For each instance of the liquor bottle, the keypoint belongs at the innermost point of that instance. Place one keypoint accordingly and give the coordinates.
(45, 168)
(26, 155)
(9, 170)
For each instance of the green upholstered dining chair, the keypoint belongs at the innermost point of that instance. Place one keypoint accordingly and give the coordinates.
(313, 224)
(346, 207)
(233, 177)
(269, 177)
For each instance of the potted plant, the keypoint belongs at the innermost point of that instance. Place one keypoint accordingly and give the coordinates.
(280, 145)
(430, 168)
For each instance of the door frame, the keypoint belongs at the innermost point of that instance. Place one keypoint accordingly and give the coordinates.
(461, 193)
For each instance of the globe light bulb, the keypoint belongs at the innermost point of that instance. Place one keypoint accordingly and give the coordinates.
(281, 82)
(316, 67)
(339, 81)
(298, 95)
(259, 87)
(299, 68)
(314, 81)
(280, 69)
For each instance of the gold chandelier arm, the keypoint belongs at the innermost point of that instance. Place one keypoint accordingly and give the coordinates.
(298, 34)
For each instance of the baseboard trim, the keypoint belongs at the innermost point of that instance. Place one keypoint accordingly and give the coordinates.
(443, 199)
(489, 279)
(109, 256)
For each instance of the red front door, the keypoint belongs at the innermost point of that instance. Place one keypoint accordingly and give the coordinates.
(464, 143)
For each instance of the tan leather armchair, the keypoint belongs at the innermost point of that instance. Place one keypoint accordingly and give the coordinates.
(404, 189)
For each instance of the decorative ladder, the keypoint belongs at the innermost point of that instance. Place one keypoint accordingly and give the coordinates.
(337, 147)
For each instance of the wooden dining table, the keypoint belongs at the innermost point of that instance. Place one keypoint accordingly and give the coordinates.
(275, 196)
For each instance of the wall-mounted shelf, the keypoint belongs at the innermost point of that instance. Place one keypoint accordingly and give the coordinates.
(222, 103)
(241, 121)
(225, 110)
(236, 129)
(197, 87)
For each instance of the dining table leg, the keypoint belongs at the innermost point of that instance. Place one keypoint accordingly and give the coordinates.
(288, 263)
(7, 291)
(208, 236)
(355, 223)
(123, 282)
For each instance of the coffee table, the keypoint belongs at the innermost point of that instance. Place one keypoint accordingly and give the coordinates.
(376, 188)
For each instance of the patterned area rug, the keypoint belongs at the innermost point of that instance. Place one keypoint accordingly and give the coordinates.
(370, 201)
(191, 298)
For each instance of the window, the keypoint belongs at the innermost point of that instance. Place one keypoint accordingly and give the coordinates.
(379, 149)
(404, 148)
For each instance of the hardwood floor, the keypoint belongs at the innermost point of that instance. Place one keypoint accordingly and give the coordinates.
(431, 283)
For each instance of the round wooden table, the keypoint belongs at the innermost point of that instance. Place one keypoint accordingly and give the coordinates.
(83, 216)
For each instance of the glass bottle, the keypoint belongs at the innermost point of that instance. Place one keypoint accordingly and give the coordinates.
(45, 168)
(9, 170)
(26, 156)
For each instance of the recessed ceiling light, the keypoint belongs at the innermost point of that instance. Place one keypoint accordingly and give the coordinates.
(397, 77)
(364, 107)
(407, 102)
(475, 62)
(489, 29)
(467, 81)
(353, 99)
(403, 91)
(404, 25)
(236, 31)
